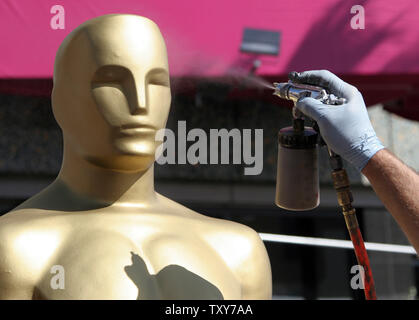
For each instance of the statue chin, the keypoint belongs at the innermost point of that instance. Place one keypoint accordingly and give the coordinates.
(133, 158)
(134, 147)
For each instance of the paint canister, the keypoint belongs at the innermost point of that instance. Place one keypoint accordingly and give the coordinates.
(297, 182)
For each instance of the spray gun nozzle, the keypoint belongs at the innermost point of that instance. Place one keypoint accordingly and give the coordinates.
(280, 89)
(294, 91)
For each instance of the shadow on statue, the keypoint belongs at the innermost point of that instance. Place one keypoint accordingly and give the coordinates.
(172, 282)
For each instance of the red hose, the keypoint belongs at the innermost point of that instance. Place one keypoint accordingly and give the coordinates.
(344, 195)
(362, 258)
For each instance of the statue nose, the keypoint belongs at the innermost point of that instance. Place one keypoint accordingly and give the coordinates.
(140, 101)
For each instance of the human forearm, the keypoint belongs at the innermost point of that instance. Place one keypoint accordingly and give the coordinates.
(398, 188)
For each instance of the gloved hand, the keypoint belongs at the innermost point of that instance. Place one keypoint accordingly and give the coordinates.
(345, 128)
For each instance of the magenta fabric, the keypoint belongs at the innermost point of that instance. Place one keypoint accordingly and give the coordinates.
(203, 37)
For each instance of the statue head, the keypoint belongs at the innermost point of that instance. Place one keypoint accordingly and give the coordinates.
(111, 91)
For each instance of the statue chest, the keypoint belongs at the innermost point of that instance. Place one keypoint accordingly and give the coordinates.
(144, 265)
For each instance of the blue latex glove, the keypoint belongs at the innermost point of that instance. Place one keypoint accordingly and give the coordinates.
(345, 128)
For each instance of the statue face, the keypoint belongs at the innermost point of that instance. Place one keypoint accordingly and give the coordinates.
(112, 91)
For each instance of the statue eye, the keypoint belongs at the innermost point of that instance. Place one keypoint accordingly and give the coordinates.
(158, 77)
(110, 74)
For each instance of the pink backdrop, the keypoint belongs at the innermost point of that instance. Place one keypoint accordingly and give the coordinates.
(203, 37)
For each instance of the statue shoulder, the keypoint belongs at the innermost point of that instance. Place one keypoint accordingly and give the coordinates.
(20, 231)
(243, 249)
(26, 244)
(11, 227)
(15, 280)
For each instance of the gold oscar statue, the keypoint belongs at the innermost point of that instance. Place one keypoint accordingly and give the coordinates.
(100, 231)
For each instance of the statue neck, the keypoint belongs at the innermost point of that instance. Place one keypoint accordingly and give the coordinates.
(116, 188)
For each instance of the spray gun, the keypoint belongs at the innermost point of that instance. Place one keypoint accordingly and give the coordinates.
(297, 184)
(294, 91)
